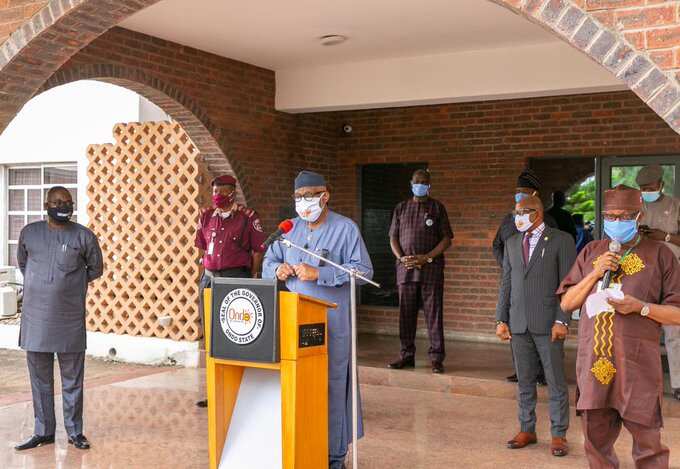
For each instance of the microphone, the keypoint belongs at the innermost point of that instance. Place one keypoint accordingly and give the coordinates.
(615, 247)
(284, 227)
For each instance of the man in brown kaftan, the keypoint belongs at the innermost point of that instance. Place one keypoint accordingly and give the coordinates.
(618, 366)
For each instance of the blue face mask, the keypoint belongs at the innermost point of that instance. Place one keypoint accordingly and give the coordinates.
(621, 230)
(520, 196)
(420, 190)
(651, 197)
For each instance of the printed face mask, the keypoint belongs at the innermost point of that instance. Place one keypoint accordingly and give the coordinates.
(523, 222)
(223, 201)
(309, 210)
(60, 214)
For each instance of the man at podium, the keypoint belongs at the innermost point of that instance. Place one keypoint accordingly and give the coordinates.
(338, 239)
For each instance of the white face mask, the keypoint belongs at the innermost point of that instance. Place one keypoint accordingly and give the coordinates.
(309, 211)
(523, 222)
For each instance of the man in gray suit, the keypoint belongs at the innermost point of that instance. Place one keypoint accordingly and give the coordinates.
(528, 314)
(58, 258)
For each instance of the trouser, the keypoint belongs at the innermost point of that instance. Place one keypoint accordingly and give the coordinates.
(601, 428)
(41, 372)
(672, 340)
(239, 272)
(527, 349)
(412, 295)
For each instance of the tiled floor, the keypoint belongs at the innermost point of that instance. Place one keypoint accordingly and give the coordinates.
(151, 422)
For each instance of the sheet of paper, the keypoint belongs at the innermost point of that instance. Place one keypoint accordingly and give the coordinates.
(597, 302)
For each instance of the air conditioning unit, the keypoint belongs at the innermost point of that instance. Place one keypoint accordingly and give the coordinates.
(8, 293)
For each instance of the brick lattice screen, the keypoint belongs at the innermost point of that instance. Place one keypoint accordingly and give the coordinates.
(145, 192)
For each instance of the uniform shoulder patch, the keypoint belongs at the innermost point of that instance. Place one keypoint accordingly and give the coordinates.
(257, 225)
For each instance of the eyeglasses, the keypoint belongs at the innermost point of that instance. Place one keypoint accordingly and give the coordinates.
(621, 217)
(308, 196)
(524, 211)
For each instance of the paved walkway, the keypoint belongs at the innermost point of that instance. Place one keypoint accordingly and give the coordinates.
(149, 420)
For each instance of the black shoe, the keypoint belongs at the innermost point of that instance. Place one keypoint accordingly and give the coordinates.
(403, 363)
(34, 442)
(437, 367)
(676, 394)
(541, 380)
(203, 404)
(511, 378)
(79, 441)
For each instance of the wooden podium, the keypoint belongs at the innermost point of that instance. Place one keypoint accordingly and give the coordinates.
(303, 370)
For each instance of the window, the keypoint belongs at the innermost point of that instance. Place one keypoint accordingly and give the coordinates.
(27, 187)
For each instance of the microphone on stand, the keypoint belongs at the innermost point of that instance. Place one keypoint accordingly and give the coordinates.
(284, 227)
(615, 247)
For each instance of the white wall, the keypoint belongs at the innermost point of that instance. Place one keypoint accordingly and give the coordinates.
(514, 72)
(57, 126)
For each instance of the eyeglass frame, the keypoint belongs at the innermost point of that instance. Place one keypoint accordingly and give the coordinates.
(524, 211)
(308, 197)
(621, 217)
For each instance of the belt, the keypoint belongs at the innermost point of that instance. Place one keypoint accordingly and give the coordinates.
(224, 272)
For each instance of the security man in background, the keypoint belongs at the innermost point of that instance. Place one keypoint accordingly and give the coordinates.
(661, 222)
(230, 237)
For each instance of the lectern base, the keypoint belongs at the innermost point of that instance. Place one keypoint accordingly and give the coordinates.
(255, 442)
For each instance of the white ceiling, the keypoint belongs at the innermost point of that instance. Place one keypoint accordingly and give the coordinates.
(283, 34)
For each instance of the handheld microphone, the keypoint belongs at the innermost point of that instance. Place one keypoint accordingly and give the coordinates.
(284, 227)
(615, 247)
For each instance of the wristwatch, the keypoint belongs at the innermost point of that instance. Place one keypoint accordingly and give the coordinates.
(644, 312)
(498, 323)
(429, 260)
(667, 238)
(562, 322)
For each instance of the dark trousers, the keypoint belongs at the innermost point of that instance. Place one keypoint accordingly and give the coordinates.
(601, 428)
(413, 295)
(531, 352)
(41, 372)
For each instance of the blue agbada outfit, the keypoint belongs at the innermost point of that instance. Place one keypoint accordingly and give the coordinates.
(338, 239)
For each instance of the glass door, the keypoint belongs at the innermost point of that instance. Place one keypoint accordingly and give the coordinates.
(616, 170)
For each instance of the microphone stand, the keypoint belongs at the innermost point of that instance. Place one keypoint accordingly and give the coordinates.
(354, 274)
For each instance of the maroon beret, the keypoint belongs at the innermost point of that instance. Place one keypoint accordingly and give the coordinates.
(225, 180)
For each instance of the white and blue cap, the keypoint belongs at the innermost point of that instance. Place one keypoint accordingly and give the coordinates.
(309, 179)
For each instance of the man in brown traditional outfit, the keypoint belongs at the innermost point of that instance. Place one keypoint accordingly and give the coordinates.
(618, 366)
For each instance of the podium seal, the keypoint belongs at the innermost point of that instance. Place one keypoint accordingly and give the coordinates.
(242, 316)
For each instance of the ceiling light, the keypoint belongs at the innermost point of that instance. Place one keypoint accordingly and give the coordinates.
(332, 39)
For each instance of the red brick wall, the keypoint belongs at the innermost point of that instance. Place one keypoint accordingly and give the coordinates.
(475, 152)
(13, 13)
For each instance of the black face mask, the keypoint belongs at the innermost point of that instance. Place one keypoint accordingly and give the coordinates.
(60, 214)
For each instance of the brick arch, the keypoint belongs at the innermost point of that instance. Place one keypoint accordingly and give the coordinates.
(195, 121)
(63, 27)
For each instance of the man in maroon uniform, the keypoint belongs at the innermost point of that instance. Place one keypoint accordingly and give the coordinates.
(618, 367)
(230, 237)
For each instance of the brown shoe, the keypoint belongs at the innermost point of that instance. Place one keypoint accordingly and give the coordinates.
(522, 439)
(558, 446)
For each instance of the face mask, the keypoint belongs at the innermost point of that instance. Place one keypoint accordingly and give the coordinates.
(60, 214)
(420, 190)
(621, 230)
(309, 211)
(650, 197)
(523, 222)
(520, 196)
(223, 201)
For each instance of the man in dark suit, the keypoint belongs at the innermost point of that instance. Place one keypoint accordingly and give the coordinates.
(528, 312)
